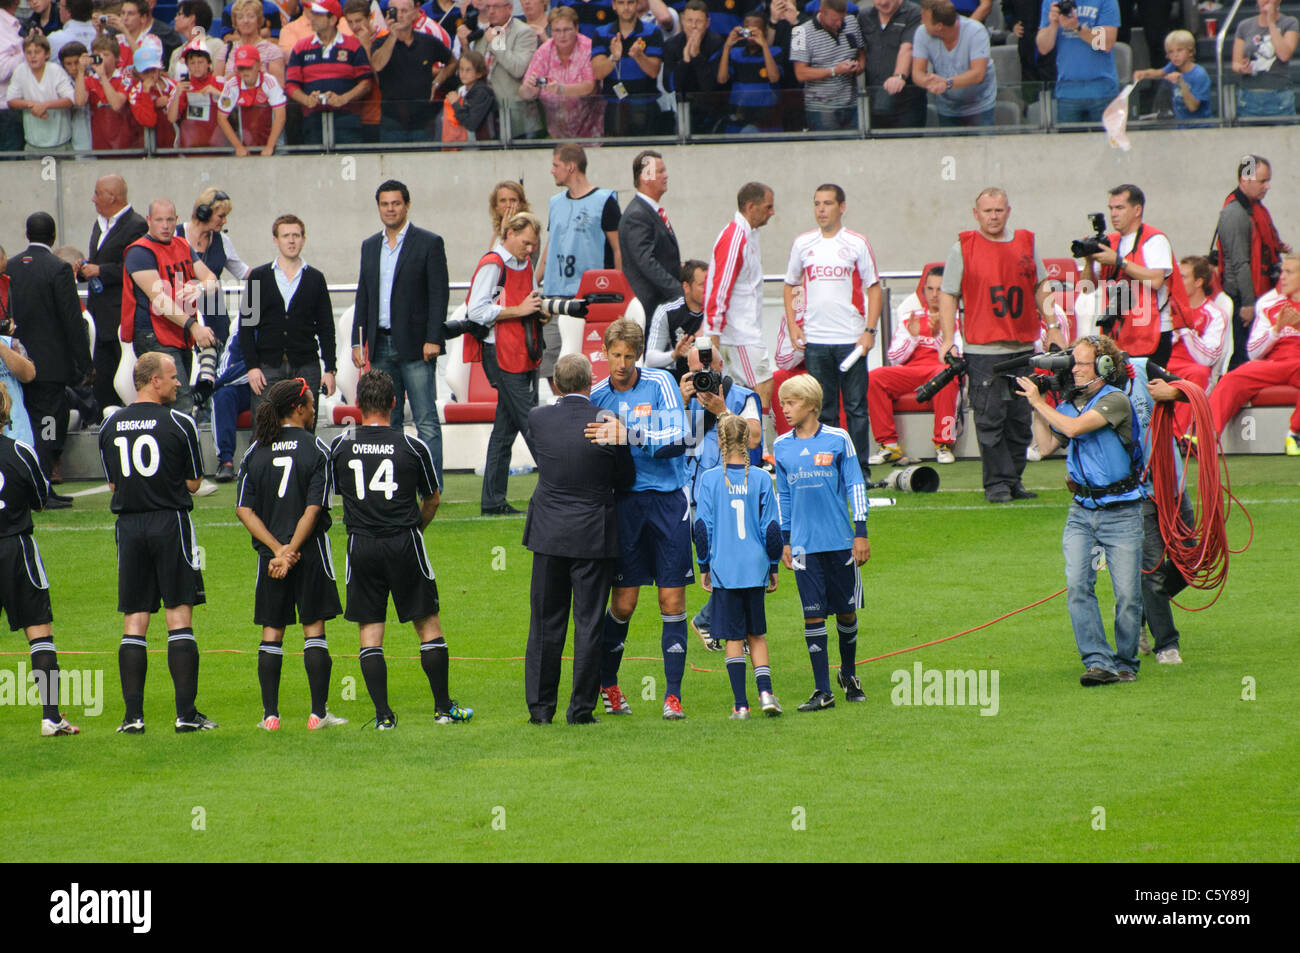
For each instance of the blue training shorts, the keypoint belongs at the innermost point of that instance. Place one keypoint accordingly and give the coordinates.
(829, 584)
(735, 614)
(654, 540)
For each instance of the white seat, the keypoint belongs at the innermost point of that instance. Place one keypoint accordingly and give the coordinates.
(124, 379)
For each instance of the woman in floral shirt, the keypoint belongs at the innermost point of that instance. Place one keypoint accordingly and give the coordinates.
(560, 75)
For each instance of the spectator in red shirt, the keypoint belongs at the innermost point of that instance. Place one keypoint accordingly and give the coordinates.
(194, 103)
(260, 101)
(328, 72)
(103, 87)
(150, 93)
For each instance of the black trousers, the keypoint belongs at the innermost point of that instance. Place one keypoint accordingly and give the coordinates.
(108, 354)
(47, 407)
(1002, 421)
(557, 581)
(309, 372)
(516, 396)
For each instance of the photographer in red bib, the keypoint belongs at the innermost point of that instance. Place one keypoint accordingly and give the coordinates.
(1141, 285)
(508, 340)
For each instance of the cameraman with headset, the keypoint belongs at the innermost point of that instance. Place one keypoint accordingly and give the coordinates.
(708, 395)
(1104, 459)
(503, 300)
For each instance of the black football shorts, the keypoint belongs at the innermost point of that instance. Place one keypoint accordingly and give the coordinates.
(157, 559)
(382, 565)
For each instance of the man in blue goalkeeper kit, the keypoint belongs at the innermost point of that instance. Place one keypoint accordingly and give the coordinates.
(653, 531)
(738, 542)
(819, 480)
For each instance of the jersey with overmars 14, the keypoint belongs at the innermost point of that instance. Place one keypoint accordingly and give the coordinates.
(148, 452)
(381, 474)
(280, 480)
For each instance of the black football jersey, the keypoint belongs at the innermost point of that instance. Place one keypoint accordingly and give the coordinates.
(279, 481)
(149, 451)
(22, 486)
(381, 473)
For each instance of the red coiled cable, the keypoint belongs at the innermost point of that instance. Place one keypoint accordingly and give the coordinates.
(1200, 551)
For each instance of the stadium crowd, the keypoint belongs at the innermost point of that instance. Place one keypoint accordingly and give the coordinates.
(693, 403)
(84, 75)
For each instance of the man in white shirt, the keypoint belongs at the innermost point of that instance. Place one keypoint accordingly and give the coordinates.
(77, 27)
(836, 269)
(733, 294)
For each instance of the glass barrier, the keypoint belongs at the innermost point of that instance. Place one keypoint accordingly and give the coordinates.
(1256, 91)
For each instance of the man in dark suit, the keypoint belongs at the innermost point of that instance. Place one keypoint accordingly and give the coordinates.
(572, 531)
(47, 318)
(401, 306)
(116, 226)
(651, 258)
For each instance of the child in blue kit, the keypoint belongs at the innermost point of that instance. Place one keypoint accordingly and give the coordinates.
(738, 543)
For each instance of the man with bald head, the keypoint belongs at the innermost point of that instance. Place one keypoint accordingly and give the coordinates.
(160, 304)
(116, 226)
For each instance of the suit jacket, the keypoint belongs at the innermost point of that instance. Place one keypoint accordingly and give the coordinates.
(418, 305)
(106, 307)
(652, 261)
(47, 315)
(269, 335)
(509, 56)
(572, 509)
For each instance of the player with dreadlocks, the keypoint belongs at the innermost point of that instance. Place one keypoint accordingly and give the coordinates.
(738, 543)
(284, 501)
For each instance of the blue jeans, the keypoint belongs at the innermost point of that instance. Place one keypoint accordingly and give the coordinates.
(417, 380)
(827, 120)
(227, 404)
(1116, 532)
(1082, 110)
(1265, 102)
(975, 119)
(823, 363)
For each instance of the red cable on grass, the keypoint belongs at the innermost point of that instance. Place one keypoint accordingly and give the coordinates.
(1200, 551)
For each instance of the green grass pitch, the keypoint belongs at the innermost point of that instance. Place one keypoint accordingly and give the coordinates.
(1192, 762)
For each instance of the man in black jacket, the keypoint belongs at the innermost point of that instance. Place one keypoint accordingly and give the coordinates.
(401, 306)
(47, 318)
(691, 67)
(286, 321)
(116, 226)
(572, 530)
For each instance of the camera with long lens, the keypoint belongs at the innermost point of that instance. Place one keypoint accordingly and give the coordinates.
(1066, 7)
(206, 382)
(1094, 243)
(956, 368)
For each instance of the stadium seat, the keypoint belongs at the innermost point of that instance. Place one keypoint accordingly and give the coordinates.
(480, 403)
(1278, 395)
(587, 337)
(124, 379)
